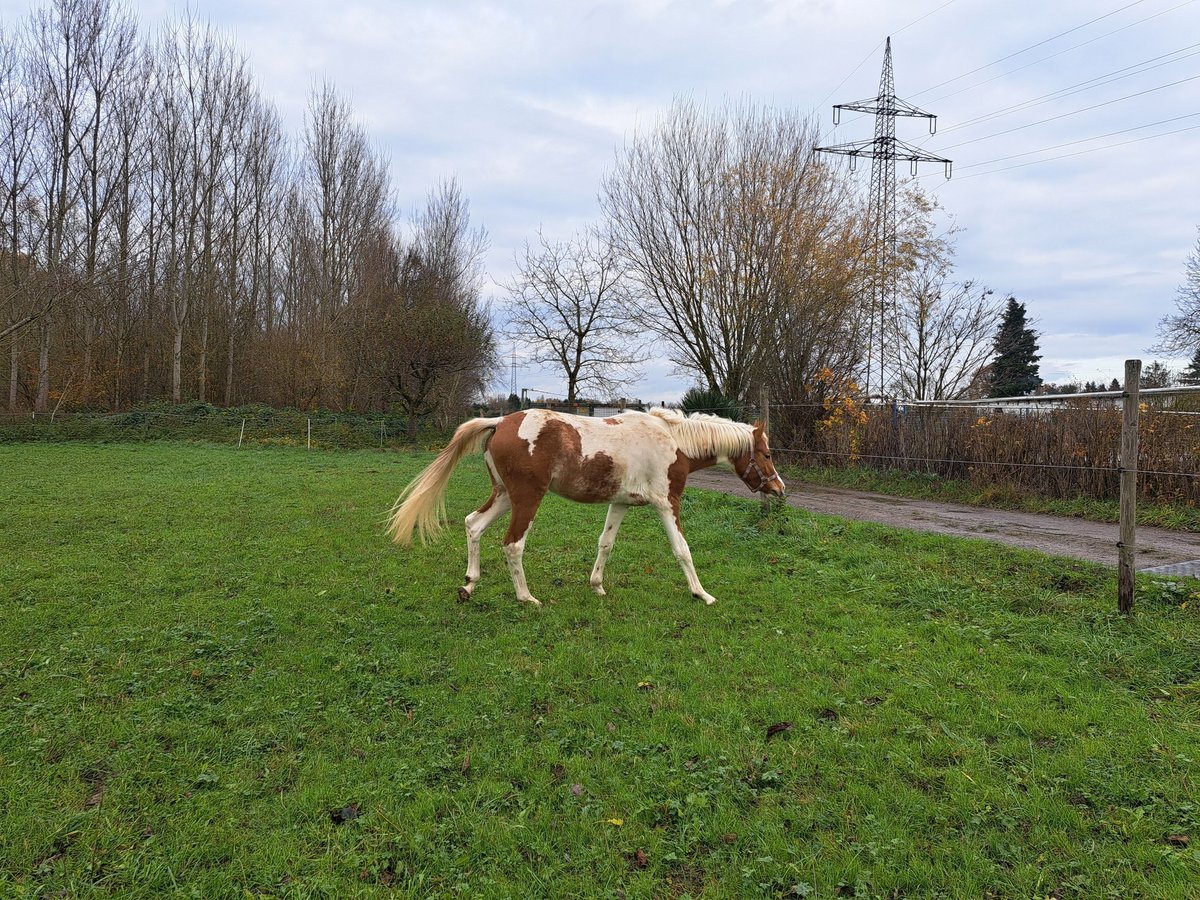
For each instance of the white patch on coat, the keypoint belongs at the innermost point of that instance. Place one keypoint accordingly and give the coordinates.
(531, 426)
(641, 447)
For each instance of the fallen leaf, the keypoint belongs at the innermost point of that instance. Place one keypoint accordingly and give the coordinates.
(778, 728)
(640, 859)
(344, 814)
(645, 686)
(96, 797)
(577, 789)
(730, 838)
(616, 822)
(1178, 840)
(466, 765)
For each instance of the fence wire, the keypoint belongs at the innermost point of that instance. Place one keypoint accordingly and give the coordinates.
(1063, 450)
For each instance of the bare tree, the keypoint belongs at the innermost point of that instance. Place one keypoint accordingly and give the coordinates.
(160, 235)
(569, 304)
(944, 332)
(437, 344)
(1179, 333)
(61, 41)
(703, 210)
(346, 189)
(20, 232)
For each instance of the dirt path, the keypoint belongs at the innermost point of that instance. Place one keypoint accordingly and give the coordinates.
(1055, 535)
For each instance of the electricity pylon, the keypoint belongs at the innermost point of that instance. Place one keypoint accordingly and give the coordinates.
(883, 151)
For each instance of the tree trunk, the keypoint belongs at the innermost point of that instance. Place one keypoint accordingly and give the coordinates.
(14, 368)
(42, 403)
(204, 355)
(177, 365)
(229, 368)
(89, 337)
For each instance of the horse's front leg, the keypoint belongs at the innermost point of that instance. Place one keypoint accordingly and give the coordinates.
(669, 513)
(608, 537)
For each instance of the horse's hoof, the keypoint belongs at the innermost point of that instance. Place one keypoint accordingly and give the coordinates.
(533, 601)
(708, 599)
(599, 589)
(463, 594)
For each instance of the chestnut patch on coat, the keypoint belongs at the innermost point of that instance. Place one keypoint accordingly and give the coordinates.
(556, 464)
(590, 479)
(611, 421)
(525, 482)
(677, 474)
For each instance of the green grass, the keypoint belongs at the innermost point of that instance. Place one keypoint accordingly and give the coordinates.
(1181, 516)
(204, 652)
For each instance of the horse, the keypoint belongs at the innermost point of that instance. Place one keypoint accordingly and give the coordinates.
(632, 459)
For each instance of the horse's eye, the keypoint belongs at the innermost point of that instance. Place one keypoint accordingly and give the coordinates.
(767, 455)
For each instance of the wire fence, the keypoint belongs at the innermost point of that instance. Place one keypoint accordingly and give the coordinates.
(1053, 447)
(255, 427)
(1062, 452)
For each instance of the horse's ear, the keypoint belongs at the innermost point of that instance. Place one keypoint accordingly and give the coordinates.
(758, 425)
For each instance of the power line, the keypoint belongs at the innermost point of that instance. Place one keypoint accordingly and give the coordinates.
(1088, 84)
(1097, 137)
(1077, 153)
(1074, 112)
(1027, 49)
(1049, 56)
(1052, 55)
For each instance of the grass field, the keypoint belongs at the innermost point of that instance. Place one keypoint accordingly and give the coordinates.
(217, 679)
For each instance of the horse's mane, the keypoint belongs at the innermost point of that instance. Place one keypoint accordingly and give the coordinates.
(703, 435)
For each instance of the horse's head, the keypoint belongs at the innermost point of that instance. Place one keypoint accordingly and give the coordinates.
(755, 467)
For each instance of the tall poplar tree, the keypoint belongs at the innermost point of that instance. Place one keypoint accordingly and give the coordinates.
(1015, 366)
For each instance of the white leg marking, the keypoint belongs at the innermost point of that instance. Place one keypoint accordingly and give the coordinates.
(683, 553)
(513, 553)
(608, 537)
(477, 524)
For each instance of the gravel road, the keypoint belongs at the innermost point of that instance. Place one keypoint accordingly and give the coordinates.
(1055, 535)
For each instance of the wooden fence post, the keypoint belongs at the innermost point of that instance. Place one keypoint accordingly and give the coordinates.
(1127, 544)
(764, 402)
(309, 446)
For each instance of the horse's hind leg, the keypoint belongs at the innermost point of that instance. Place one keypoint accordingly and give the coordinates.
(477, 523)
(608, 537)
(523, 511)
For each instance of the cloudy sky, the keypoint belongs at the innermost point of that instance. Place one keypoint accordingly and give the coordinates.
(526, 101)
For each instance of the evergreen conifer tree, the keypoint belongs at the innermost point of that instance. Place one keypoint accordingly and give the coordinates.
(1191, 375)
(1015, 366)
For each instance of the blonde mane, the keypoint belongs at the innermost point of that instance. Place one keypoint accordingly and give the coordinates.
(703, 435)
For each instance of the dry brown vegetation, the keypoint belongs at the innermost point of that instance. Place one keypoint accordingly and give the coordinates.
(1065, 452)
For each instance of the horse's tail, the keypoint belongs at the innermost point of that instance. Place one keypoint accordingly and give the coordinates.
(422, 505)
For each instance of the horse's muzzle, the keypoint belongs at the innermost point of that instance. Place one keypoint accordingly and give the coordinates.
(774, 487)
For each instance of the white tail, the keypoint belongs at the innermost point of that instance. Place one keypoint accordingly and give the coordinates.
(421, 507)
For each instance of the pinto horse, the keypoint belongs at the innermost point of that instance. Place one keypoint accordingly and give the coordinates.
(634, 459)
